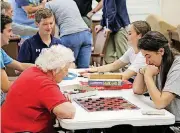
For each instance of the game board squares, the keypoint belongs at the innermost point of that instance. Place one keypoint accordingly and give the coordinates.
(101, 98)
(121, 108)
(112, 98)
(101, 103)
(105, 104)
(120, 99)
(81, 102)
(124, 101)
(97, 105)
(97, 109)
(90, 108)
(116, 109)
(101, 107)
(133, 107)
(110, 108)
(98, 100)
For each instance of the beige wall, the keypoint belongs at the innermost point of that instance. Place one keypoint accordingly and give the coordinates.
(138, 9)
(170, 11)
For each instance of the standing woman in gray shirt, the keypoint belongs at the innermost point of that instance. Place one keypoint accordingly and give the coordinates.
(74, 32)
(163, 63)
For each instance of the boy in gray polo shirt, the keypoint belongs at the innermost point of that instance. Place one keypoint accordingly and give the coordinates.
(74, 33)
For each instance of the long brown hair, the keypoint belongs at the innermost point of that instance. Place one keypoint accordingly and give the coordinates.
(153, 41)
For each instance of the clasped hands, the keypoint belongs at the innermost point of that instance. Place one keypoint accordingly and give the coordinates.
(149, 70)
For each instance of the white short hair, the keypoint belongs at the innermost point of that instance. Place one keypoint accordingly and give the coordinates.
(55, 57)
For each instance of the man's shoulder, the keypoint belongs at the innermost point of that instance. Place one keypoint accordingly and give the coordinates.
(1, 59)
(30, 41)
(2, 51)
(5, 59)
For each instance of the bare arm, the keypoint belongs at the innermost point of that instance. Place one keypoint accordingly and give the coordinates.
(65, 111)
(128, 74)
(5, 83)
(23, 30)
(160, 99)
(98, 7)
(139, 86)
(32, 9)
(109, 67)
(19, 66)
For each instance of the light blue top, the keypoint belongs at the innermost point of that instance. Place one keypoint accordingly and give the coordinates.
(5, 60)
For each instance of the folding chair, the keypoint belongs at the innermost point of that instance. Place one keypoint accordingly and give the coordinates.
(100, 45)
(174, 36)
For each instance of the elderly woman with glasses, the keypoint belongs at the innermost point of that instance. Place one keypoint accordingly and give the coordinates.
(35, 96)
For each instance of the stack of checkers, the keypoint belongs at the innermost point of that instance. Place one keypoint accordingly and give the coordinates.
(105, 104)
(78, 91)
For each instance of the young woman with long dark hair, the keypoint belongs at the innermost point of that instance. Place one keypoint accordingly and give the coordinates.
(164, 64)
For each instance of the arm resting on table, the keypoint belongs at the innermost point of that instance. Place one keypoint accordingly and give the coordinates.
(65, 110)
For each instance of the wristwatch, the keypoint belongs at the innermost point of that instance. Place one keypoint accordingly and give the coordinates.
(142, 71)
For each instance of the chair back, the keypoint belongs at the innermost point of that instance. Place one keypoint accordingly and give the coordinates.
(159, 24)
(174, 36)
(100, 47)
(178, 30)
